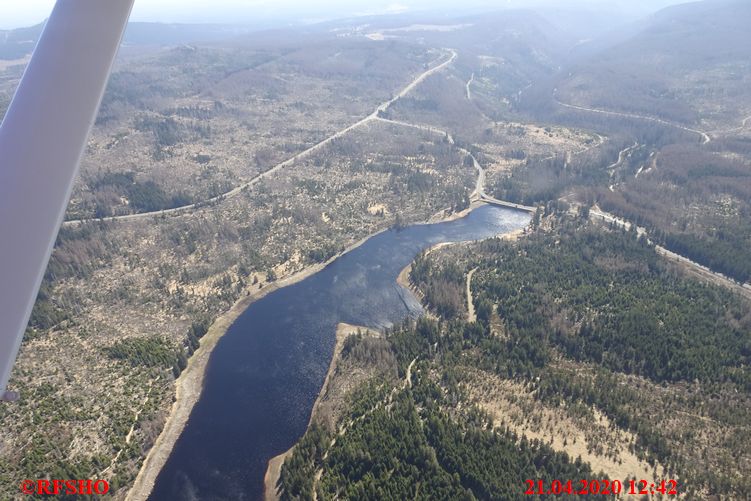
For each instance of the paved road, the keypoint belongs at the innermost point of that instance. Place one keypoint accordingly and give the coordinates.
(480, 194)
(236, 191)
(417, 81)
(696, 268)
(427, 128)
(479, 191)
(704, 136)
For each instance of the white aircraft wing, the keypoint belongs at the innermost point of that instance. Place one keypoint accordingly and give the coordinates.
(42, 138)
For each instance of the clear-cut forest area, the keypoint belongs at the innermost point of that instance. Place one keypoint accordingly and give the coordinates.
(611, 339)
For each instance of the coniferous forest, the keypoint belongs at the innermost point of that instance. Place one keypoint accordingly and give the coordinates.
(586, 318)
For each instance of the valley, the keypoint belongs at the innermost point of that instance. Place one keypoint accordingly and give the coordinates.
(607, 335)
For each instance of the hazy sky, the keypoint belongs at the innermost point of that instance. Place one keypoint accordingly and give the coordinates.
(16, 13)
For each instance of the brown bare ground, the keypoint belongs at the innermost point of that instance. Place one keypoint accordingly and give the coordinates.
(597, 441)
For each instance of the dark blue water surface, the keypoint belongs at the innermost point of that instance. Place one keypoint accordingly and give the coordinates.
(265, 373)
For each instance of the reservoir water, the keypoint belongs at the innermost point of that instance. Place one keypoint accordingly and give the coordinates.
(265, 373)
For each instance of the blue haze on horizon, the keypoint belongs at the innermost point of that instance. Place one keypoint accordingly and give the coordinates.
(16, 14)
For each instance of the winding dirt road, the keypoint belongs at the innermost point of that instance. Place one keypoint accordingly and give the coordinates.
(479, 192)
(469, 83)
(471, 316)
(622, 156)
(744, 124)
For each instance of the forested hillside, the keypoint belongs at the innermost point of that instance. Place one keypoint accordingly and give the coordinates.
(688, 63)
(586, 342)
(421, 440)
(603, 300)
(576, 352)
(672, 97)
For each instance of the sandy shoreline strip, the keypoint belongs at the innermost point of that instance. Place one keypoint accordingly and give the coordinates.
(343, 330)
(274, 468)
(403, 277)
(190, 383)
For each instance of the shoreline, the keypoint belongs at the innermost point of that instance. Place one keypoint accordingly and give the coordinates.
(403, 277)
(453, 216)
(274, 468)
(189, 385)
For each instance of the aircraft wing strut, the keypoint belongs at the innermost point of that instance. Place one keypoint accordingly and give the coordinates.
(42, 139)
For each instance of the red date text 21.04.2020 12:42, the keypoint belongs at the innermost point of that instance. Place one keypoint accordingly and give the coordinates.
(602, 487)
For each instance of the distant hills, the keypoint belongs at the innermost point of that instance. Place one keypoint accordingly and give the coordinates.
(688, 63)
(17, 43)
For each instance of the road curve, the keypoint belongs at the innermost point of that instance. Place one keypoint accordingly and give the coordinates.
(236, 191)
(479, 191)
(622, 156)
(744, 124)
(704, 136)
